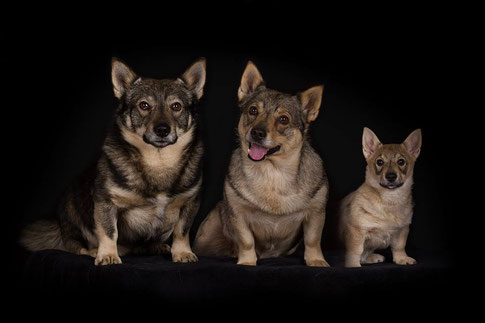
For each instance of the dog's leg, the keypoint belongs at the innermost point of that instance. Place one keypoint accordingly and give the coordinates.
(312, 236)
(398, 245)
(181, 251)
(354, 245)
(244, 239)
(246, 246)
(105, 217)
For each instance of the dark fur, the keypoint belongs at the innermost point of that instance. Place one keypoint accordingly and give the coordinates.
(137, 172)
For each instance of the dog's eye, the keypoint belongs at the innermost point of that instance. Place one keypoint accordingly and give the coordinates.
(176, 106)
(283, 120)
(253, 110)
(144, 105)
(379, 162)
(401, 162)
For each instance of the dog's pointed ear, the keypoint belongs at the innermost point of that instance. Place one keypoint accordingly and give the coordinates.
(413, 143)
(195, 76)
(370, 143)
(250, 81)
(121, 76)
(311, 100)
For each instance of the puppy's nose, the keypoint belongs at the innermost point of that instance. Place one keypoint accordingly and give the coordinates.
(391, 177)
(258, 133)
(161, 130)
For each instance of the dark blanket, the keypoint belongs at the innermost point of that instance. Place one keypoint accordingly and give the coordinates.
(58, 276)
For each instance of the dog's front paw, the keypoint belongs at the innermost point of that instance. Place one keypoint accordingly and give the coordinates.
(107, 259)
(247, 263)
(405, 260)
(350, 264)
(374, 258)
(184, 256)
(317, 263)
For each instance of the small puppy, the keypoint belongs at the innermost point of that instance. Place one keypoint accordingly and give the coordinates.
(378, 214)
(276, 187)
(145, 186)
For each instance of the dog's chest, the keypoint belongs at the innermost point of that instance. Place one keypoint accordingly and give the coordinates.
(148, 220)
(386, 222)
(275, 191)
(274, 234)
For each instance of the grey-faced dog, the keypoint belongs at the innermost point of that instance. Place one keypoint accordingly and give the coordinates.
(145, 187)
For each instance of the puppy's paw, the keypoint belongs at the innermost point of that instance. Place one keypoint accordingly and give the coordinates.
(107, 259)
(405, 260)
(247, 263)
(317, 263)
(352, 264)
(374, 258)
(184, 256)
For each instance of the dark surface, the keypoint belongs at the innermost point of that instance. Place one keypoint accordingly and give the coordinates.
(389, 71)
(59, 276)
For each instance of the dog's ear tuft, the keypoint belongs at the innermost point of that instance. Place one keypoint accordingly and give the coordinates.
(194, 77)
(413, 143)
(370, 143)
(311, 100)
(250, 81)
(121, 76)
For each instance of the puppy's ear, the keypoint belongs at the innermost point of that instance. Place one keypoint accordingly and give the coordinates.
(413, 143)
(370, 143)
(250, 81)
(194, 77)
(311, 101)
(121, 76)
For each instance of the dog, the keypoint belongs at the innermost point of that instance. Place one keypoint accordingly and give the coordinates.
(276, 188)
(145, 187)
(378, 214)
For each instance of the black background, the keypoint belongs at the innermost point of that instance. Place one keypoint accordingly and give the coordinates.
(384, 68)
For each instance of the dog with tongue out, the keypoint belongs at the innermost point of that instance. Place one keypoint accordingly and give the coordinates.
(276, 188)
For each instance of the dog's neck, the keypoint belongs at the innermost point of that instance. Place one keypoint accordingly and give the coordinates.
(154, 157)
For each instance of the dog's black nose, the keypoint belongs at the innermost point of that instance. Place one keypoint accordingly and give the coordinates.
(391, 177)
(161, 130)
(258, 133)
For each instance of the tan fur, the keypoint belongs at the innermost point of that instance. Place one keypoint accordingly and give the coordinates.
(156, 159)
(375, 217)
(267, 204)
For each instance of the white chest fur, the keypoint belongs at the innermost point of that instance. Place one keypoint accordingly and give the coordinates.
(274, 234)
(146, 219)
(272, 189)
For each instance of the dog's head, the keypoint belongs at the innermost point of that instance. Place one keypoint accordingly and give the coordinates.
(158, 111)
(273, 123)
(390, 165)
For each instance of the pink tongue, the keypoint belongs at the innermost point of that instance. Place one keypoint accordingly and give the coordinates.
(257, 152)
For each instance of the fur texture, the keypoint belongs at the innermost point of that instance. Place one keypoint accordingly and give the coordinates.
(378, 214)
(276, 188)
(145, 187)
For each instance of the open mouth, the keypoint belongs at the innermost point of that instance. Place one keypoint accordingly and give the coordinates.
(391, 186)
(257, 152)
